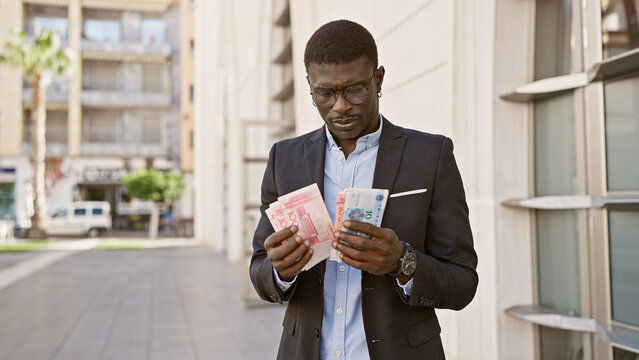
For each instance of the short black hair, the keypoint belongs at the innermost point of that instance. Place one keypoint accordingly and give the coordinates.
(340, 42)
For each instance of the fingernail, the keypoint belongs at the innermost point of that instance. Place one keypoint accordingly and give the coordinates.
(298, 239)
(335, 244)
(310, 251)
(293, 228)
(341, 256)
(347, 223)
(307, 243)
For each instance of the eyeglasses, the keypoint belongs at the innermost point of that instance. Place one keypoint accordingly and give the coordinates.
(354, 94)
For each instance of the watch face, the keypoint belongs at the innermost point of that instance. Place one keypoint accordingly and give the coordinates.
(409, 263)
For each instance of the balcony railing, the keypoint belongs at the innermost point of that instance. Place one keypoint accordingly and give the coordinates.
(92, 49)
(101, 98)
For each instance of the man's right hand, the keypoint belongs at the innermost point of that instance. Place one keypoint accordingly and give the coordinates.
(287, 252)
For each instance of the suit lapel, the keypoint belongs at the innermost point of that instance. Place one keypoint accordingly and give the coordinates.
(314, 154)
(389, 156)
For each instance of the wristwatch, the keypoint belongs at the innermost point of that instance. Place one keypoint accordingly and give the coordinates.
(407, 262)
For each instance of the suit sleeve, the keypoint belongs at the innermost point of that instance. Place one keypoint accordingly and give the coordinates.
(446, 274)
(261, 269)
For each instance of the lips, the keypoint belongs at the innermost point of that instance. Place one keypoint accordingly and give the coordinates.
(344, 123)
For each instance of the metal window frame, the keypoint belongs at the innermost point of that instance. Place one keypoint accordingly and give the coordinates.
(612, 334)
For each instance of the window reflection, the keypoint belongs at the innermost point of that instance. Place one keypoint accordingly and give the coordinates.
(152, 31)
(620, 354)
(622, 133)
(619, 26)
(553, 37)
(560, 344)
(102, 30)
(624, 265)
(37, 25)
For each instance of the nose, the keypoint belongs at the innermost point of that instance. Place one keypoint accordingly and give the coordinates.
(341, 105)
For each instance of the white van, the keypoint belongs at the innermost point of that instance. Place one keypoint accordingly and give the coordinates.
(90, 218)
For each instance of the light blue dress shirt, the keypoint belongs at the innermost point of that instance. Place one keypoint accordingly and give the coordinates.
(343, 336)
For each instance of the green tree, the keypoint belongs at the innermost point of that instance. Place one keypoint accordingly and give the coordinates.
(39, 59)
(159, 187)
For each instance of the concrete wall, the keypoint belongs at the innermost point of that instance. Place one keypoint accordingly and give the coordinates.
(11, 80)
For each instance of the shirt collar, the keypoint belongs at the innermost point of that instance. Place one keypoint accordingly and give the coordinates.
(369, 140)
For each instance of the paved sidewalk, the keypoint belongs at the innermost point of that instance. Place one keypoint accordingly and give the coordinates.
(166, 303)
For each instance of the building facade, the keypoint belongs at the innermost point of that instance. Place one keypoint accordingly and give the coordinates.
(541, 100)
(118, 112)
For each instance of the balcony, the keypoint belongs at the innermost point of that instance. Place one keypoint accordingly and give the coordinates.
(118, 149)
(57, 94)
(124, 133)
(135, 51)
(124, 99)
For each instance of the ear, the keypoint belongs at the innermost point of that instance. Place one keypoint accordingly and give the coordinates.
(379, 78)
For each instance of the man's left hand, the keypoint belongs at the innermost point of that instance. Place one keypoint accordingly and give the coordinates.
(378, 255)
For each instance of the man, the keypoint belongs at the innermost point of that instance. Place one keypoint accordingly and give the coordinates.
(379, 303)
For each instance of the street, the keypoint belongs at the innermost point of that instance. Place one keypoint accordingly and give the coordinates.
(179, 303)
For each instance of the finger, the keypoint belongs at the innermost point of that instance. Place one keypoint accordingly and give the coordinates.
(276, 238)
(295, 255)
(365, 228)
(355, 254)
(353, 262)
(299, 265)
(280, 252)
(357, 241)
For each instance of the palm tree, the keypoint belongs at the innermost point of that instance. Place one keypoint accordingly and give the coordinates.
(38, 59)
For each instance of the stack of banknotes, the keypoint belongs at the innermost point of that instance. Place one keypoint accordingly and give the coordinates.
(305, 208)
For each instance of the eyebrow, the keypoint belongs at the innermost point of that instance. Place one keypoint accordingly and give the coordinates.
(361, 82)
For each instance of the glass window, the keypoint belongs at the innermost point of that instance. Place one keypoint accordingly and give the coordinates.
(7, 201)
(153, 78)
(152, 133)
(624, 265)
(620, 354)
(102, 75)
(80, 212)
(558, 261)
(553, 38)
(56, 126)
(96, 212)
(559, 281)
(555, 149)
(152, 31)
(60, 214)
(560, 344)
(619, 26)
(101, 126)
(102, 30)
(622, 133)
(37, 25)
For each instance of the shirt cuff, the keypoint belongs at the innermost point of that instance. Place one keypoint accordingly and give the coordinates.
(406, 288)
(284, 285)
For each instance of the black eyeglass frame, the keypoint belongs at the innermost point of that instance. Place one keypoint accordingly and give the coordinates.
(343, 93)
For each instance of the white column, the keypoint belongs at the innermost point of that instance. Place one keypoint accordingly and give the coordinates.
(235, 143)
(11, 79)
(74, 122)
(209, 220)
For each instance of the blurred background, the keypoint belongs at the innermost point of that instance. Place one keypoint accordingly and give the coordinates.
(541, 98)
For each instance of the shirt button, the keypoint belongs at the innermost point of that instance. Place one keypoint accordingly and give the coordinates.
(342, 268)
(338, 353)
(339, 311)
(316, 332)
(340, 158)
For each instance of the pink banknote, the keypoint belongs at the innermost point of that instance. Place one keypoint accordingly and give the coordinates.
(306, 209)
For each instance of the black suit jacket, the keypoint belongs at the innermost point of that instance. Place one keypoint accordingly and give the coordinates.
(435, 223)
